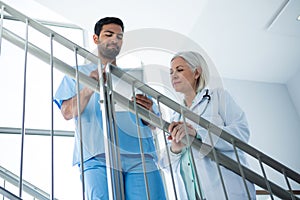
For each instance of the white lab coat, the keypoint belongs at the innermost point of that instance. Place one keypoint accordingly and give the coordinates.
(226, 114)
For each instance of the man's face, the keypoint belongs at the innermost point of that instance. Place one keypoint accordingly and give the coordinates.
(109, 41)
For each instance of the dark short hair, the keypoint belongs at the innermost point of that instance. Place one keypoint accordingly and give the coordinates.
(107, 20)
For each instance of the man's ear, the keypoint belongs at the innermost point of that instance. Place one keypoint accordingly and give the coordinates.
(95, 38)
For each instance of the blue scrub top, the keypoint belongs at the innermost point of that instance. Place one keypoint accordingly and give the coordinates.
(92, 128)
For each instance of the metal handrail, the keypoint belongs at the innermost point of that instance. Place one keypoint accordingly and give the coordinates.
(39, 132)
(205, 123)
(148, 116)
(28, 187)
(8, 194)
(50, 23)
(47, 31)
(205, 149)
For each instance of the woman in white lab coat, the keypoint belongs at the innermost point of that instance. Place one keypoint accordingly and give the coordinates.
(189, 76)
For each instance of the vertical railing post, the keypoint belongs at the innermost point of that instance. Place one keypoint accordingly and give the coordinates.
(288, 184)
(24, 111)
(52, 119)
(79, 125)
(240, 168)
(217, 160)
(265, 177)
(1, 25)
(106, 136)
(117, 184)
(140, 142)
(117, 157)
(166, 146)
(3, 187)
(190, 151)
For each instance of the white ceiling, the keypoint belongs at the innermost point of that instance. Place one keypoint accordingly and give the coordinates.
(246, 39)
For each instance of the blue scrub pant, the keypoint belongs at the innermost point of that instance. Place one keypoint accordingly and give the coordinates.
(133, 178)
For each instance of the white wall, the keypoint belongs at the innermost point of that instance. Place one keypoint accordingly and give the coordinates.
(272, 117)
(294, 91)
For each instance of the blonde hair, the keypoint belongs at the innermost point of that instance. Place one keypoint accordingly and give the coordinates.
(195, 60)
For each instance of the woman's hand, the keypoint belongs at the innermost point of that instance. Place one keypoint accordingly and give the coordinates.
(178, 135)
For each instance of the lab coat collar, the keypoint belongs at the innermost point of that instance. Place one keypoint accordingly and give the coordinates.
(199, 97)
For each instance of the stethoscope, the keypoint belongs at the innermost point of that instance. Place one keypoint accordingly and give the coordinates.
(207, 97)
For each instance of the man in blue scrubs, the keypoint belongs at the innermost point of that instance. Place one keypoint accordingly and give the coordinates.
(109, 38)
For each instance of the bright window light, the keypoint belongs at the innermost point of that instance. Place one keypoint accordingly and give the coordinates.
(298, 18)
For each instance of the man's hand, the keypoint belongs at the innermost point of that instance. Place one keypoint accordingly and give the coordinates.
(95, 75)
(144, 101)
(147, 103)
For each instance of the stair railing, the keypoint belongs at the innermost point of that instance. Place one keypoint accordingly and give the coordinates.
(218, 157)
(13, 179)
(205, 149)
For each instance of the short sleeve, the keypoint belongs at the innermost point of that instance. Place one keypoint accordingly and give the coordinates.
(66, 90)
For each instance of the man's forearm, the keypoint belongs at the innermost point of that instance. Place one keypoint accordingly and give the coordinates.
(69, 108)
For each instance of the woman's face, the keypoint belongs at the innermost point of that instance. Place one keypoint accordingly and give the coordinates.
(183, 78)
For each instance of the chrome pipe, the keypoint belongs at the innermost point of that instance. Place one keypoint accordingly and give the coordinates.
(80, 125)
(24, 111)
(265, 177)
(288, 184)
(32, 190)
(39, 132)
(52, 119)
(4, 182)
(46, 31)
(241, 169)
(167, 148)
(140, 142)
(216, 159)
(8, 194)
(107, 146)
(117, 175)
(190, 151)
(1, 25)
